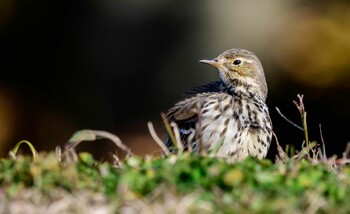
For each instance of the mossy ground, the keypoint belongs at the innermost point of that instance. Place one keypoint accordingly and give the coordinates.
(176, 184)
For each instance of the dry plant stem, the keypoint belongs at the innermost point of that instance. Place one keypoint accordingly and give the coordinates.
(58, 152)
(347, 151)
(116, 140)
(189, 140)
(305, 152)
(91, 135)
(323, 144)
(289, 121)
(283, 156)
(117, 163)
(177, 136)
(305, 129)
(199, 124)
(157, 139)
(168, 129)
(300, 106)
(345, 158)
(70, 154)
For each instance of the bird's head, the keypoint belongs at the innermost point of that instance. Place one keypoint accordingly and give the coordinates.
(240, 68)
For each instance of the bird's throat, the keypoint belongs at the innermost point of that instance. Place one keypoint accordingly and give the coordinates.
(239, 87)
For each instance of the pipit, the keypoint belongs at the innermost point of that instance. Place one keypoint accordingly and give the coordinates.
(229, 115)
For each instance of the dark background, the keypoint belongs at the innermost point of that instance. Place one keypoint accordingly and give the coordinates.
(114, 65)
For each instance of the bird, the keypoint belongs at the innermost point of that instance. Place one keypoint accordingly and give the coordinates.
(230, 115)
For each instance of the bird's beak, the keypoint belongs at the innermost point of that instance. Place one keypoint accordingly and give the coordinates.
(213, 62)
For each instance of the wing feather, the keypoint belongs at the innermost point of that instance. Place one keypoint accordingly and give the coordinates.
(184, 112)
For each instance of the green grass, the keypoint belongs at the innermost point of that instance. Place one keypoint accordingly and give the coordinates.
(205, 184)
(64, 181)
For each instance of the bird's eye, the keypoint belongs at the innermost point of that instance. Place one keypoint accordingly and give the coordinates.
(237, 62)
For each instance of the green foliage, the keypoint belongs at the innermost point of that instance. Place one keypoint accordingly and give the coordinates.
(46, 173)
(244, 187)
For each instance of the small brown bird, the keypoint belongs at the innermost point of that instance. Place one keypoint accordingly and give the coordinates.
(231, 111)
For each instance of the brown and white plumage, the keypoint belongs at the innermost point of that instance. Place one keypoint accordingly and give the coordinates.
(232, 110)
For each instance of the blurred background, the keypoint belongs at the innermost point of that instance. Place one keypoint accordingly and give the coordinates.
(115, 65)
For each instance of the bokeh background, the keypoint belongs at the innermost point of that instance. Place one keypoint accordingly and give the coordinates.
(113, 65)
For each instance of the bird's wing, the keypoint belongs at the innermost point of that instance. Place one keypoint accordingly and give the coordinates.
(187, 108)
(184, 113)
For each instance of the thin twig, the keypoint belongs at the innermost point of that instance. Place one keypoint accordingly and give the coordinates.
(69, 154)
(58, 152)
(306, 132)
(289, 121)
(168, 129)
(305, 151)
(347, 150)
(281, 153)
(323, 144)
(177, 137)
(157, 139)
(190, 139)
(300, 106)
(91, 135)
(199, 128)
(117, 163)
(115, 139)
